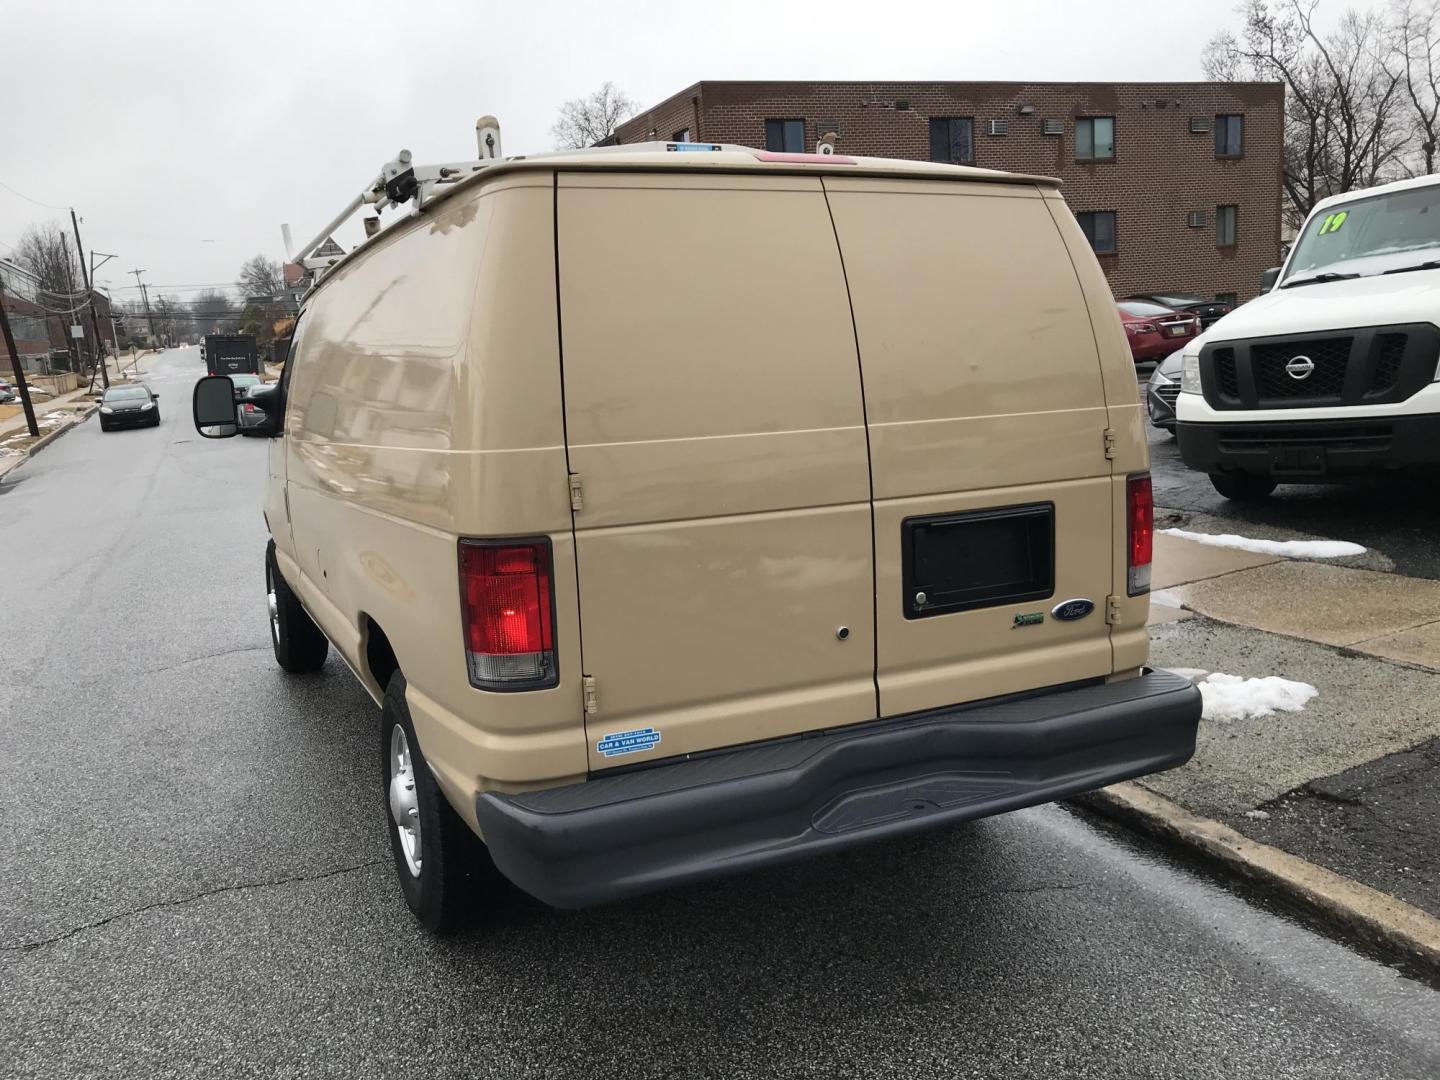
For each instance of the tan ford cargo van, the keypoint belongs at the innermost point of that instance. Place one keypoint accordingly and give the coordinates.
(688, 513)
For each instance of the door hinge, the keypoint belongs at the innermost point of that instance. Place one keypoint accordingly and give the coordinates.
(592, 706)
(1110, 444)
(577, 498)
(1112, 610)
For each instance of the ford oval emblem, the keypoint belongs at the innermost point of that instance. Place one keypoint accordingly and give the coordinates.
(1070, 610)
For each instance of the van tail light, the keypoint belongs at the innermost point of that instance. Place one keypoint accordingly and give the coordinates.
(1140, 520)
(507, 600)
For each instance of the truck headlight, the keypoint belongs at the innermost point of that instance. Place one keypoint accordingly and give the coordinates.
(1190, 373)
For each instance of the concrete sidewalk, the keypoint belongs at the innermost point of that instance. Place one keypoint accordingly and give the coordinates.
(1351, 782)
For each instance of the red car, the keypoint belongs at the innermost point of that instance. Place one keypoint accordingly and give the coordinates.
(1154, 331)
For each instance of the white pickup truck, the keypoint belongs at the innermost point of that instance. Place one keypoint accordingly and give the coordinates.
(1331, 372)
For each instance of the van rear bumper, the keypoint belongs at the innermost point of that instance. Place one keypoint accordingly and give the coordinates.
(755, 806)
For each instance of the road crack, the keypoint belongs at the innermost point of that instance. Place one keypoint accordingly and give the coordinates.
(296, 879)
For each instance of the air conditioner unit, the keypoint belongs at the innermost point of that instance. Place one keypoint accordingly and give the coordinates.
(999, 127)
(1196, 219)
(1199, 125)
(1053, 127)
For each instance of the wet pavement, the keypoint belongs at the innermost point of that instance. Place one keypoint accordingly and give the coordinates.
(199, 879)
(1399, 516)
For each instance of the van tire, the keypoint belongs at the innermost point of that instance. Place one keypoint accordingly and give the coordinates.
(455, 869)
(300, 647)
(1242, 486)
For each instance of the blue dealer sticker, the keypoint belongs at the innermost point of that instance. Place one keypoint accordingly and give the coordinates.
(628, 742)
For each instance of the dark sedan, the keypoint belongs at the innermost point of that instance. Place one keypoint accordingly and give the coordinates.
(1192, 303)
(1161, 391)
(132, 405)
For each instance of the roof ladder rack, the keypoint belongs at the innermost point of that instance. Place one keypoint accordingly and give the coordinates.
(399, 181)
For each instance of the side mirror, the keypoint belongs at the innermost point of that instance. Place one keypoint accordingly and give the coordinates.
(214, 407)
(1268, 279)
(271, 401)
(155, 397)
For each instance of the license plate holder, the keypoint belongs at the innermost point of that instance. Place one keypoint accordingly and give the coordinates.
(977, 559)
(1297, 461)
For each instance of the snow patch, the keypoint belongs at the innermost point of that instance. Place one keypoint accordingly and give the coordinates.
(1191, 673)
(1229, 697)
(1289, 549)
(1166, 598)
(1258, 815)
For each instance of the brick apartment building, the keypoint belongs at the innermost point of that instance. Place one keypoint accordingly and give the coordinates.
(1176, 184)
(40, 334)
(28, 322)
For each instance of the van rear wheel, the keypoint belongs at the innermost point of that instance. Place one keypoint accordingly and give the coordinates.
(300, 647)
(1242, 486)
(443, 867)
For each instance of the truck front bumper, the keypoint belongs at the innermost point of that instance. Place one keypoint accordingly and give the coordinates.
(619, 835)
(1301, 450)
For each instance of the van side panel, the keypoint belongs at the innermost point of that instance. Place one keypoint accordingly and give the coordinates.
(715, 424)
(1130, 637)
(426, 408)
(983, 391)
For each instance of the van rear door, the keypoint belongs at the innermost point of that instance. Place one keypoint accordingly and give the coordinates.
(717, 447)
(987, 419)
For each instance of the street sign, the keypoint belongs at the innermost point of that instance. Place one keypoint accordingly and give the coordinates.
(77, 331)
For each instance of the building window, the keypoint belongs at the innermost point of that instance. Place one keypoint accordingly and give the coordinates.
(785, 136)
(683, 135)
(1226, 222)
(1095, 138)
(952, 140)
(1229, 136)
(1099, 228)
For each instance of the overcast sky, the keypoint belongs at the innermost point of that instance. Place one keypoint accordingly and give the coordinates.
(185, 133)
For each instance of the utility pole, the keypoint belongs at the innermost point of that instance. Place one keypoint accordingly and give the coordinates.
(145, 296)
(90, 296)
(15, 364)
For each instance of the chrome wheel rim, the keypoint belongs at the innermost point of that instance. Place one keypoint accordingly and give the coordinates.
(404, 806)
(273, 605)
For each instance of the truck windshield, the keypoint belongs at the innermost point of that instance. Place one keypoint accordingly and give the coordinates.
(1382, 225)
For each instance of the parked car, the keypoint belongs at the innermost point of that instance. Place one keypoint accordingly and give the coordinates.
(250, 414)
(1154, 331)
(242, 383)
(1162, 389)
(129, 405)
(1331, 372)
(7, 391)
(1208, 311)
(463, 515)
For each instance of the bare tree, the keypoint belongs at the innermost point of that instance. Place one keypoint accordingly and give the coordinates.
(44, 250)
(166, 311)
(1344, 125)
(1414, 50)
(588, 120)
(211, 310)
(260, 277)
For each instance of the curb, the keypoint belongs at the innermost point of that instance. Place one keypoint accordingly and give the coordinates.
(49, 437)
(1375, 916)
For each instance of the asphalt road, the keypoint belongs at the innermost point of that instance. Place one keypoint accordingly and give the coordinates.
(197, 879)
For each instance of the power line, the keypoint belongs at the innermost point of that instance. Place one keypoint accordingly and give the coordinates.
(27, 198)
